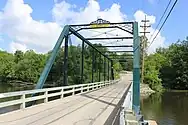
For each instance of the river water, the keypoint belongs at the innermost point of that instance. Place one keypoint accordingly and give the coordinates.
(169, 108)
(8, 88)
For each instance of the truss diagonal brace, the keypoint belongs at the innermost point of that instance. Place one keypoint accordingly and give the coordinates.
(51, 60)
(86, 41)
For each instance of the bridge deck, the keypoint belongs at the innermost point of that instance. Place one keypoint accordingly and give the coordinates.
(93, 108)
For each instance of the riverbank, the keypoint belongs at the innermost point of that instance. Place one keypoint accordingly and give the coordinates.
(145, 90)
(20, 83)
(174, 90)
(15, 85)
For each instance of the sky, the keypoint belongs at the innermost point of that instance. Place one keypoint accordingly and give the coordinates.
(31, 24)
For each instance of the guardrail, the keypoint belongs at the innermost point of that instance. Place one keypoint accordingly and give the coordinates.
(127, 105)
(23, 97)
(127, 108)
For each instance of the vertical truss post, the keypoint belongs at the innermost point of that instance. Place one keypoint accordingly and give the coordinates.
(65, 66)
(112, 70)
(104, 68)
(82, 63)
(108, 70)
(99, 67)
(51, 60)
(136, 69)
(93, 59)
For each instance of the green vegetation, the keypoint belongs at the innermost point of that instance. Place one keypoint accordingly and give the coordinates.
(26, 67)
(21, 66)
(168, 67)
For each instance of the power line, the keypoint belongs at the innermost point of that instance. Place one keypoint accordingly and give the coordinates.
(163, 22)
(161, 18)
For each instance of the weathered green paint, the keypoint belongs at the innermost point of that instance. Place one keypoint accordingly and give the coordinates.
(108, 69)
(51, 60)
(99, 68)
(93, 61)
(82, 63)
(104, 68)
(136, 68)
(112, 70)
(65, 65)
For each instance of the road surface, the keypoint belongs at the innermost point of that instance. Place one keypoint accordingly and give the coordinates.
(99, 107)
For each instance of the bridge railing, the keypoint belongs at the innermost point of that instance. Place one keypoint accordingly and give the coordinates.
(127, 105)
(23, 97)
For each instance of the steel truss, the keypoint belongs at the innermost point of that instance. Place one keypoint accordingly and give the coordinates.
(129, 27)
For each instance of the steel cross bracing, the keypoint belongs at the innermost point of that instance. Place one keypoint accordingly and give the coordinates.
(106, 59)
(103, 24)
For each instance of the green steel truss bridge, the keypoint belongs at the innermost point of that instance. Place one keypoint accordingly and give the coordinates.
(106, 101)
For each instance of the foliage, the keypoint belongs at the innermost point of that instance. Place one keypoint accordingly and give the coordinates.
(21, 66)
(7, 65)
(28, 66)
(152, 66)
(128, 64)
(168, 67)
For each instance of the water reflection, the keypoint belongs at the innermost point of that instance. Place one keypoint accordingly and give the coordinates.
(169, 108)
(8, 88)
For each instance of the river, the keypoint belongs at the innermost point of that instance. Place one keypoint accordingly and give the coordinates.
(169, 108)
(8, 88)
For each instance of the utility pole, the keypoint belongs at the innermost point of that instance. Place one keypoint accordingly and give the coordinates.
(144, 45)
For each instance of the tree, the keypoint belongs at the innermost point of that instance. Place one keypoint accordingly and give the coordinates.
(28, 66)
(152, 66)
(128, 64)
(168, 67)
(18, 55)
(6, 68)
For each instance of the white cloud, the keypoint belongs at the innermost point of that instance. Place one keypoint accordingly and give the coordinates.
(159, 41)
(1, 49)
(17, 23)
(140, 15)
(17, 46)
(64, 12)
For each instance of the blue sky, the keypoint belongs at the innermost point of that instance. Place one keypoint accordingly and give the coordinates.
(174, 29)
